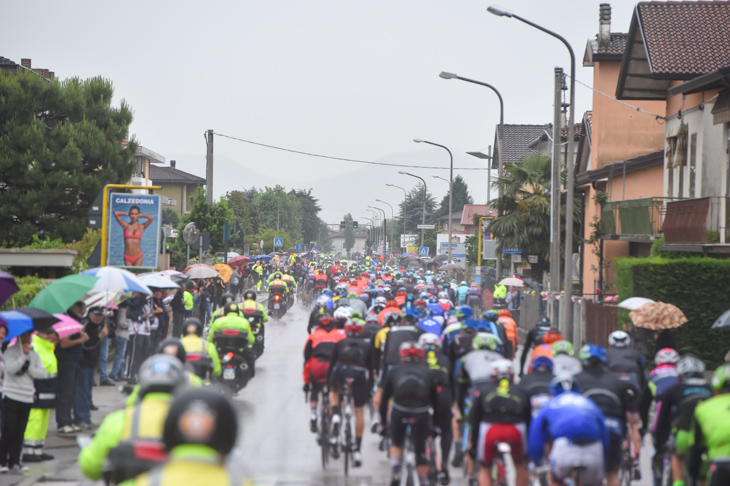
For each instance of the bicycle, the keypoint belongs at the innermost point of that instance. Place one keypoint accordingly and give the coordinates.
(626, 469)
(409, 474)
(323, 438)
(503, 468)
(347, 399)
(433, 451)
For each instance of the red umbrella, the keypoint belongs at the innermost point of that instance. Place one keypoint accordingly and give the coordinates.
(197, 265)
(239, 260)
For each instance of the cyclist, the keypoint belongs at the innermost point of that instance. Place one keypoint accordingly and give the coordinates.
(461, 293)
(317, 356)
(674, 416)
(413, 391)
(500, 412)
(510, 328)
(564, 361)
(322, 307)
(233, 320)
(354, 358)
(627, 362)
(391, 307)
(441, 374)
(534, 338)
(498, 329)
(537, 383)
(574, 426)
(618, 400)
(202, 355)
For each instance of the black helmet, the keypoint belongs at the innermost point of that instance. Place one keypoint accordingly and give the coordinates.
(192, 325)
(230, 307)
(201, 416)
(173, 347)
(227, 297)
(277, 275)
(249, 295)
(160, 373)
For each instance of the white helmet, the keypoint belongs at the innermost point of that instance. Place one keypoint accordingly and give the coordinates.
(322, 301)
(381, 301)
(619, 339)
(503, 369)
(430, 341)
(443, 295)
(343, 313)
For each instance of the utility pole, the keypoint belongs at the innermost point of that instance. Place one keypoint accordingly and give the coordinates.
(555, 198)
(209, 168)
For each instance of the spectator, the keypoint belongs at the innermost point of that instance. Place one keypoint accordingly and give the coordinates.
(157, 318)
(139, 312)
(178, 313)
(22, 366)
(96, 330)
(68, 354)
(121, 339)
(165, 316)
(513, 303)
(188, 299)
(3, 333)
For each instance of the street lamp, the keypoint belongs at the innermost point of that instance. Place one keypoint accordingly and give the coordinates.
(442, 178)
(405, 198)
(425, 193)
(567, 311)
(371, 227)
(376, 224)
(451, 183)
(500, 162)
(385, 229)
(391, 221)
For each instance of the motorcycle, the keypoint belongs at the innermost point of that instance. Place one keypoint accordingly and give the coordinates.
(201, 364)
(256, 321)
(236, 359)
(277, 302)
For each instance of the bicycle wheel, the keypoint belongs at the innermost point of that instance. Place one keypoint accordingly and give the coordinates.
(433, 469)
(324, 440)
(348, 444)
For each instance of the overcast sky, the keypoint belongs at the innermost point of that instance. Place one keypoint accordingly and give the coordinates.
(341, 78)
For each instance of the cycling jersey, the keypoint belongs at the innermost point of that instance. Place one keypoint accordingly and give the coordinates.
(537, 386)
(431, 325)
(661, 379)
(412, 388)
(541, 350)
(352, 358)
(677, 408)
(318, 352)
(397, 336)
(709, 432)
(534, 337)
(626, 360)
(614, 397)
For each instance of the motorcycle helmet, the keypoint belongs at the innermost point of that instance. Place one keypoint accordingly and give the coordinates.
(230, 307)
(249, 295)
(160, 373)
(227, 297)
(277, 275)
(619, 339)
(192, 325)
(173, 347)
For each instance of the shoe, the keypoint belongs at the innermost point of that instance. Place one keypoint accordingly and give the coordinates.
(336, 425)
(113, 378)
(395, 479)
(334, 448)
(67, 429)
(94, 407)
(47, 457)
(86, 426)
(376, 424)
(636, 473)
(357, 459)
(106, 382)
(443, 476)
(32, 458)
(313, 424)
(20, 467)
(383, 444)
(458, 460)
(3, 469)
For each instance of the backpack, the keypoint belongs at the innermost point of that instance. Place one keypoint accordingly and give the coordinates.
(352, 354)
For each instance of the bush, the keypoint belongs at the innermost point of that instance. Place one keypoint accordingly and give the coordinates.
(695, 285)
(29, 286)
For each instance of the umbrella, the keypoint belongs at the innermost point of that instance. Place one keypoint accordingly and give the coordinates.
(24, 319)
(239, 260)
(722, 322)
(265, 258)
(233, 254)
(199, 272)
(172, 272)
(224, 271)
(63, 293)
(158, 280)
(113, 279)
(657, 316)
(634, 303)
(450, 266)
(67, 326)
(196, 265)
(291, 250)
(7, 286)
(440, 258)
(512, 282)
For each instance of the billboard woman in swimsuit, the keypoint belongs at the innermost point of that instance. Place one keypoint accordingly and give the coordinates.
(133, 230)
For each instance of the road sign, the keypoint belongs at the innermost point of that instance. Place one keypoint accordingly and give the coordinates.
(412, 249)
(423, 251)
(278, 242)
(300, 247)
(516, 258)
(426, 226)
(513, 251)
(532, 259)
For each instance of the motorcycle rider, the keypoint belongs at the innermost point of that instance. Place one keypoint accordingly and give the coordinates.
(201, 354)
(232, 320)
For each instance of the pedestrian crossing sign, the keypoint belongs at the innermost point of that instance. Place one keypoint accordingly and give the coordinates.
(423, 251)
(278, 242)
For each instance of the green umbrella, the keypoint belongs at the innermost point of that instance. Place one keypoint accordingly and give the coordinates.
(63, 293)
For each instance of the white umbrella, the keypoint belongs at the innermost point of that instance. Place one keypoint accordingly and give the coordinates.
(512, 282)
(202, 272)
(113, 279)
(233, 254)
(158, 280)
(634, 303)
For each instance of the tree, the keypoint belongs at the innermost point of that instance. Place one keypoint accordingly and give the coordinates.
(308, 210)
(60, 142)
(460, 197)
(525, 209)
(349, 233)
(172, 216)
(413, 206)
(268, 236)
(244, 210)
(275, 205)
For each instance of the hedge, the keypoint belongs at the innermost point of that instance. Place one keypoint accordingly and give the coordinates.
(29, 286)
(698, 286)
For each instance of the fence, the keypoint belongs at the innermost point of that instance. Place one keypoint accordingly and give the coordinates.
(600, 321)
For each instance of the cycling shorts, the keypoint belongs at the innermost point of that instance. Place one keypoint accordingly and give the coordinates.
(420, 428)
(318, 371)
(491, 434)
(565, 455)
(360, 387)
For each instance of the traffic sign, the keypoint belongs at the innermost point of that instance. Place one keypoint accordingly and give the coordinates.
(423, 251)
(512, 250)
(426, 226)
(300, 247)
(516, 258)
(278, 242)
(532, 259)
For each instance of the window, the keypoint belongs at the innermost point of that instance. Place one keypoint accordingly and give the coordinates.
(692, 164)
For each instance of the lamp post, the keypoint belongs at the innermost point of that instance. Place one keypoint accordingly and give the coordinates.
(451, 183)
(567, 311)
(376, 224)
(405, 212)
(425, 193)
(500, 162)
(391, 221)
(371, 227)
(385, 229)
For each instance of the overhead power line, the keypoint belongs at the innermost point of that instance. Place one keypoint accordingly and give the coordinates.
(369, 162)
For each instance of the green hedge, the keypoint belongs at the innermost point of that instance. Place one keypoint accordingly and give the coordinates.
(698, 286)
(29, 286)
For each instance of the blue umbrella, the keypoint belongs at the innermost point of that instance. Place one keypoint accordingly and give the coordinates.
(20, 321)
(113, 279)
(265, 258)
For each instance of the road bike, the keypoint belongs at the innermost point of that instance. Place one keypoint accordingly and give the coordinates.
(433, 451)
(348, 446)
(503, 468)
(409, 474)
(323, 435)
(626, 469)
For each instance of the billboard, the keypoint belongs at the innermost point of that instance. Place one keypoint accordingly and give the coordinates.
(134, 230)
(408, 240)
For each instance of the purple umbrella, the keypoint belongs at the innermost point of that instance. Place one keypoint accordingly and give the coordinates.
(7, 286)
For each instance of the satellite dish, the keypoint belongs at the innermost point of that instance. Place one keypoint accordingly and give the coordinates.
(190, 234)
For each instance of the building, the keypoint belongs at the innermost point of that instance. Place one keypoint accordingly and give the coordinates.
(338, 242)
(8, 66)
(177, 186)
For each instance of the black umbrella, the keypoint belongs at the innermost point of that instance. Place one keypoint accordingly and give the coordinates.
(722, 322)
(291, 250)
(440, 258)
(41, 319)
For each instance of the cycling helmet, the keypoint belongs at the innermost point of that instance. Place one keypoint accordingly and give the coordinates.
(192, 325)
(160, 373)
(446, 286)
(173, 347)
(429, 341)
(666, 356)
(386, 288)
(619, 339)
(327, 292)
(443, 295)
(720, 377)
(249, 295)
(466, 311)
(392, 303)
(230, 307)
(393, 319)
(354, 328)
(590, 353)
(411, 352)
(355, 314)
(505, 313)
(381, 301)
(343, 313)
(543, 322)
(503, 369)
(563, 347)
(352, 295)
(542, 362)
(690, 366)
(552, 336)
(412, 313)
(485, 340)
(563, 383)
(321, 301)
(462, 282)
(201, 416)
(490, 315)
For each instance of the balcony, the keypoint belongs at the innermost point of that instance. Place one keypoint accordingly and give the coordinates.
(637, 220)
(697, 225)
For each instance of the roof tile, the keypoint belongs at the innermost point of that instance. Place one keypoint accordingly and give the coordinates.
(517, 140)
(169, 175)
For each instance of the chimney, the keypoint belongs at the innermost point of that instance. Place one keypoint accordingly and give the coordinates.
(172, 164)
(25, 63)
(604, 25)
(44, 73)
